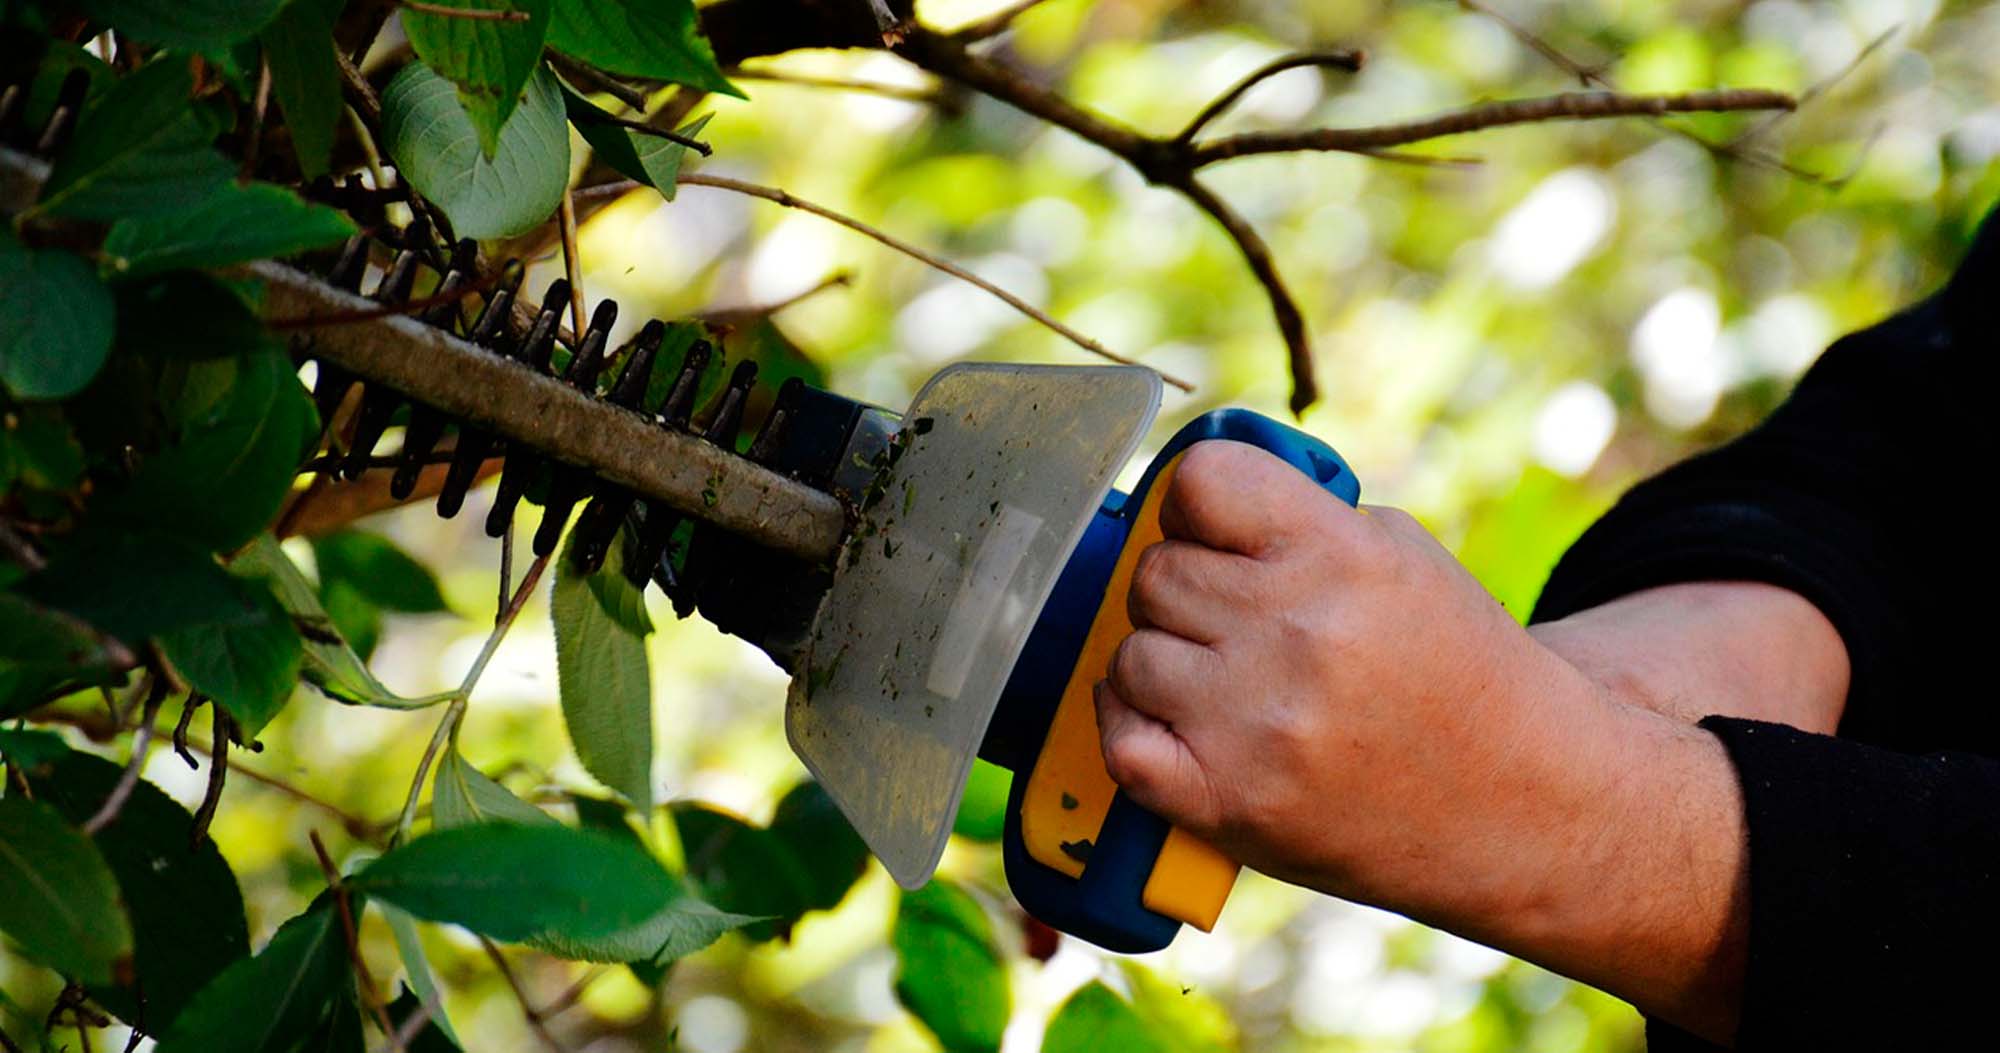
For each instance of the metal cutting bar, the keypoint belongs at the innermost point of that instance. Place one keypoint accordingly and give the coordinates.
(693, 476)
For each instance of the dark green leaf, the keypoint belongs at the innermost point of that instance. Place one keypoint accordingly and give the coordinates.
(305, 78)
(233, 225)
(489, 60)
(184, 315)
(949, 973)
(437, 148)
(221, 485)
(651, 159)
(194, 24)
(38, 449)
(744, 869)
(357, 620)
(61, 57)
(247, 662)
(833, 856)
(341, 1031)
(329, 664)
(61, 907)
(187, 915)
(42, 649)
(601, 672)
(133, 584)
(272, 1001)
(519, 882)
(373, 566)
(140, 149)
(58, 326)
(658, 39)
(1095, 1018)
(31, 750)
(462, 795)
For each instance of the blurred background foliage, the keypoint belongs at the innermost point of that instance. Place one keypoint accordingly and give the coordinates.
(1502, 347)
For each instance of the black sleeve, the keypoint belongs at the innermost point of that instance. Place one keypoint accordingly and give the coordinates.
(1874, 890)
(1874, 857)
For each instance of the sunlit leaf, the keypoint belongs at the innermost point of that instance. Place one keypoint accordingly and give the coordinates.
(462, 795)
(59, 321)
(949, 973)
(1095, 1018)
(437, 148)
(423, 987)
(489, 60)
(373, 566)
(517, 882)
(328, 663)
(186, 912)
(61, 907)
(657, 39)
(601, 672)
(271, 1001)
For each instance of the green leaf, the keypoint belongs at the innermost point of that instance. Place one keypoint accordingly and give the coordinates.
(436, 1035)
(42, 649)
(39, 449)
(58, 321)
(61, 907)
(194, 24)
(30, 750)
(247, 662)
(1095, 1018)
(328, 664)
(744, 869)
(949, 973)
(373, 566)
(140, 149)
(186, 911)
(462, 795)
(61, 57)
(1187, 1020)
(657, 39)
(305, 78)
(437, 148)
(222, 483)
(832, 855)
(654, 160)
(234, 225)
(274, 1000)
(423, 986)
(358, 621)
(133, 584)
(518, 882)
(184, 315)
(487, 59)
(982, 812)
(601, 673)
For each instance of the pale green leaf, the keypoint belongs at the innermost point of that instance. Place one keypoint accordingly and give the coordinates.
(462, 795)
(417, 967)
(604, 681)
(437, 148)
(1095, 1018)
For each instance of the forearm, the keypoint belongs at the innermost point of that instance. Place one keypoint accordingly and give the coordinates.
(1609, 849)
(1728, 648)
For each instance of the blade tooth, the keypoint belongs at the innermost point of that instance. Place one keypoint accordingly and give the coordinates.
(773, 431)
(565, 489)
(379, 404)
(680, 398)
(588, 362)
(13, 100)
(649, 549)
(537, 347)
(728, 417)
(630, 389)
(351, 265)
(474, 444)
(598, 524)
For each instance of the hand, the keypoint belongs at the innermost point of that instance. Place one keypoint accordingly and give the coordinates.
(1328, 696)
(1323, 693)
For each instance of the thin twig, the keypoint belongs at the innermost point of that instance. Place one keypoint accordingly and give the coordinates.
(447, 726)
(642, 128)
(1291, 325)
(994, 24)
(468, 13)
(927, 96)
(1576, 105)
(790, 200)
(220, 730)
(572, 261)
(369, 995)
(257, 113)
(593, 79)
(142, 739)
(194, 702)
(838, 279)
(534, 1016)
(18, 549)
(1348, 60)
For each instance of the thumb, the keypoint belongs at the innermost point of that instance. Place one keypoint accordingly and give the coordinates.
(1237, 498)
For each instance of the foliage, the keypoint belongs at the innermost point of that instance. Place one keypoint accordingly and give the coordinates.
(1505, 344)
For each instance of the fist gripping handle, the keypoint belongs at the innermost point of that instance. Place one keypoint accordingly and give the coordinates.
(1080, 855)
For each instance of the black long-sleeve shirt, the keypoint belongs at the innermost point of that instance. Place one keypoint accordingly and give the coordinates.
(1874, 856)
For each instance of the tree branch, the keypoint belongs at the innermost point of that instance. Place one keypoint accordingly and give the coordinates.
(923, 96)
(1569, 106)
(1291, 325)
(1348, 60)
